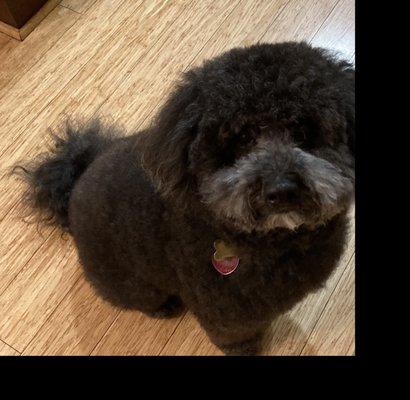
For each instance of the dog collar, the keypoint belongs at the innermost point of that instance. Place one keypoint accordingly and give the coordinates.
(225, 259)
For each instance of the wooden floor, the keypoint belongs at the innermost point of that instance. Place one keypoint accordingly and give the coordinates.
(118, 59)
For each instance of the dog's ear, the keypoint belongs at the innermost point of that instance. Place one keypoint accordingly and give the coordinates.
(165, 148)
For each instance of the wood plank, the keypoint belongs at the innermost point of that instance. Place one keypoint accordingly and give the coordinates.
(39, 287)
(11, 190)
(7, 44)
(132, 101)
(299, 20)
(133, 333)
(338, 31)
(282, 20)
(91, 86)
(189, 339)
(6, 350)
(19, 107)
(16, 61)
(10, 31)
(4, 41)
(73, 42)
(37, 18)
(245, 26)
(334, 334)
(19, 243)
(80, 6)
(102, 75)
(76, 326)
(352, 348)
(99, 78)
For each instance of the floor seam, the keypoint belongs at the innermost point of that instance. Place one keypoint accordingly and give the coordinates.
(73, 77)
(172, 334)
(327, 302)
(9, 345)
(105, 333)
(68, 8)
(55, 308)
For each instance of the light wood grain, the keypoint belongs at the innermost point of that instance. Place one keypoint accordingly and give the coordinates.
(10, 31)
(337, 32)
(290, 331)
(133, 333)
(16, 61)
(35, 292)
(245, 26)
(6, 350)
(132, 101)
(91, 86)
(80, 6)
(189, 339)
(334, 333)
(5, 41)
(299, 20)
(118, 59)
(59, 65)
(76, 325)
(36, 19)
(250, 22)
(14, 254)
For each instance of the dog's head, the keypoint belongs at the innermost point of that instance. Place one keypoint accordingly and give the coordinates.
(262, 136)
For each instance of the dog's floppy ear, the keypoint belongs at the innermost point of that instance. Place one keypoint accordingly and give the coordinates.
(165, 147)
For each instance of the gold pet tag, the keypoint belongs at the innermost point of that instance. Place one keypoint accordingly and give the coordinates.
(223, 250)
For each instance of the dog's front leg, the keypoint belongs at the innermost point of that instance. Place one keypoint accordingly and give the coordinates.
(235, 339)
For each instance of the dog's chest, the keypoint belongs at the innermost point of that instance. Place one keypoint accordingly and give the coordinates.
(258, 266)
(271, 275)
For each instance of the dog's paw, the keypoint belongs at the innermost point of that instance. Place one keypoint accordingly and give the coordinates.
(173, 307)
(251, 347)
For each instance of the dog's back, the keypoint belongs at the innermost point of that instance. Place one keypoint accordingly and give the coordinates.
(118, 223)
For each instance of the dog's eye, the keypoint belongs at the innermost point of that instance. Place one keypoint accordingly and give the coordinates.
(299, 137)
(248, 134)
(244, 137)
(305, 139)
(234, 142)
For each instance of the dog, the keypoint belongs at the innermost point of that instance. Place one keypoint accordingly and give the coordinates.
(233, 203)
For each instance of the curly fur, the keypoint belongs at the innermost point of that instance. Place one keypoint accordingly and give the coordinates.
(52, 175)
(255, 147)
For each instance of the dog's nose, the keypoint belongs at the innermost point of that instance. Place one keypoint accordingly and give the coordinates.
(283, 192)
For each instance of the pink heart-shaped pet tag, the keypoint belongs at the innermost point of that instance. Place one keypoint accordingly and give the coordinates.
(226, 266)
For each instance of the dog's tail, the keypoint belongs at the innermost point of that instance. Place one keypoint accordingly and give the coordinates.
(52, 176)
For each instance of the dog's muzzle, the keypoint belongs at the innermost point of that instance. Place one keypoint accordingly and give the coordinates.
(275, 186)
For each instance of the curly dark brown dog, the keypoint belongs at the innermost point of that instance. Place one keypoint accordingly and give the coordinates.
(252, 153)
